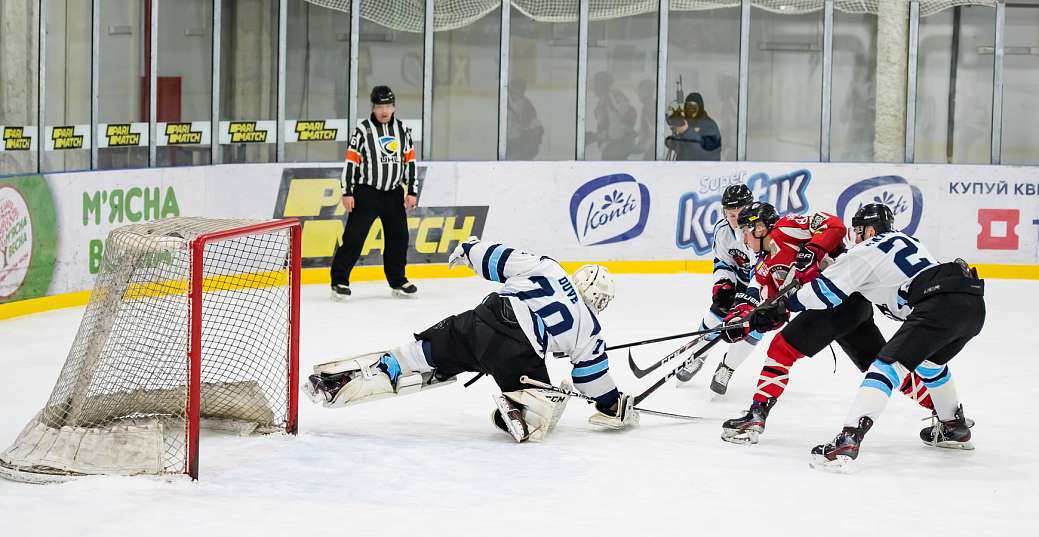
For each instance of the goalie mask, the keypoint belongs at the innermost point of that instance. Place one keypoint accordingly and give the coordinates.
(595, 285)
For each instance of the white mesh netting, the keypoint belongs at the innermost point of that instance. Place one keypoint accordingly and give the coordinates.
(408, 15)
(119, 405)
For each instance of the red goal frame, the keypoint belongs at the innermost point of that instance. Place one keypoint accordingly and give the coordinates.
(198, 247)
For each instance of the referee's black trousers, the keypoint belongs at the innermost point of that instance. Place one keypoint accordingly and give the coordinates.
(369, 204)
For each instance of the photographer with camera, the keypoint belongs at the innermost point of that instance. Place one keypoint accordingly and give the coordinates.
(694, 135)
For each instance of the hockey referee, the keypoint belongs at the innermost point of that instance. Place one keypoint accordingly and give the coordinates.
(378, 181)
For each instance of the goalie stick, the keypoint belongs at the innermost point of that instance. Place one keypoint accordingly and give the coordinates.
(572, 393)
(793, 285)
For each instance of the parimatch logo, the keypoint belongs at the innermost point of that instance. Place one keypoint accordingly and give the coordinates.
(65, 137)
(16, 139)
(121, 135)
(246, 132)
(315, 131)
(314, 196)
(181, 134)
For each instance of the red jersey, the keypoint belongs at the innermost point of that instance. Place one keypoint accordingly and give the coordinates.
(788, 236)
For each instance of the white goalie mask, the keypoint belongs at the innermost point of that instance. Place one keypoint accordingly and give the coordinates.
(595, 285)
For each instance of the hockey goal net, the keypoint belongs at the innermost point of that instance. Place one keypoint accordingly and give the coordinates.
(193, 322)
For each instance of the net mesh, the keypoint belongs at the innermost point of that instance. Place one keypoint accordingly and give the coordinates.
(119, 405)
(408, 15)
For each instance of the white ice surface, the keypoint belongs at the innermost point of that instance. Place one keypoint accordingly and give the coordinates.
(432, 464)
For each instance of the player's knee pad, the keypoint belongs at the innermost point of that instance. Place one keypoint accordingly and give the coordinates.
(539, 411)
(782, 352)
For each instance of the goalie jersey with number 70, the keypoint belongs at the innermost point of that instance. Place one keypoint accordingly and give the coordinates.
(549, 310)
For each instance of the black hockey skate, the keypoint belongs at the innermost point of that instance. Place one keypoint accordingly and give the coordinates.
(747, 429)
(838, 455)
(406, 290)
(952, 434)
(323, 387)
(326, 386)
(720, 381)
(340, 291)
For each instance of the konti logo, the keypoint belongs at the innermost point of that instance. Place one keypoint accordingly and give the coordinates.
(608, 209)
(697, 216)
(904, 199)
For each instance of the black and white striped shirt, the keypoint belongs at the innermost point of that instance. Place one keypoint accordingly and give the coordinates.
(381, 156)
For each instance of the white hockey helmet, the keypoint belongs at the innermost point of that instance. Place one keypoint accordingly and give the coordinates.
(595, 285)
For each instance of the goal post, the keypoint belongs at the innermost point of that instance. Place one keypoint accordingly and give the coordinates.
(198, 280)
(193, 323)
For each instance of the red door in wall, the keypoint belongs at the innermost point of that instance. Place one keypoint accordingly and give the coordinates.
(168, 100)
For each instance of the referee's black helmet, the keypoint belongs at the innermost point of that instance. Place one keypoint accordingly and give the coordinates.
(383, 95)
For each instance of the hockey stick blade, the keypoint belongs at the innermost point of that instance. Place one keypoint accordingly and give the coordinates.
(545, 386)
(639, 373)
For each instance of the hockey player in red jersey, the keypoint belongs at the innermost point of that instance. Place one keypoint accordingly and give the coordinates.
(798, 247)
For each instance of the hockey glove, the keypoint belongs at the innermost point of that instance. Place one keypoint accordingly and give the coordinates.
(769, 317)
(806, 263)
(722, 295)
(738, 313)
(460, 254)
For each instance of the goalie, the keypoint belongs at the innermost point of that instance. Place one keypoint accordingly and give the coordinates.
(538, 310)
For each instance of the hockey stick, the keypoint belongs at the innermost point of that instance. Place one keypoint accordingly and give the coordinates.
(708, 331)
(573, 393)
(639, 372)
(793, 285)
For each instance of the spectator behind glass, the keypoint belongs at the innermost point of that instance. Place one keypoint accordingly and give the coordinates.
(615, 119)
(695, 136)
(525, 130)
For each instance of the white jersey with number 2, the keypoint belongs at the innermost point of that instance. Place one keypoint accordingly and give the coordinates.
(880, 269)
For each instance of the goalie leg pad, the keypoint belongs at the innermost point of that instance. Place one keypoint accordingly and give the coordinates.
(539, 412)
(359, 380)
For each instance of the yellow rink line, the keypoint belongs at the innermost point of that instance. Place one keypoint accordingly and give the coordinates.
(374, 273)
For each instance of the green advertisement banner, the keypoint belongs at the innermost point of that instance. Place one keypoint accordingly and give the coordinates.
(28, 237)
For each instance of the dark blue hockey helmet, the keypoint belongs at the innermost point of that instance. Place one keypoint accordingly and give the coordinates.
(736, 196)
(875, 215)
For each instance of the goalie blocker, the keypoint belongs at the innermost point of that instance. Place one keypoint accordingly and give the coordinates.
(496, 338)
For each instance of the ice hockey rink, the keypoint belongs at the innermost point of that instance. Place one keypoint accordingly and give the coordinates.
(432, 463)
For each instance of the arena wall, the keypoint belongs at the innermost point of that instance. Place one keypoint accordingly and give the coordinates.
(640, 217)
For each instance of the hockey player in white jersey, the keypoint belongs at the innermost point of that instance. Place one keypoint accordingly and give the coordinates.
(941, 306)
(733, 269)
(539, 310)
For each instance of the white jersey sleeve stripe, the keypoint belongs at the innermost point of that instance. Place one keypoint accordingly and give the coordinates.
(591, 367)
